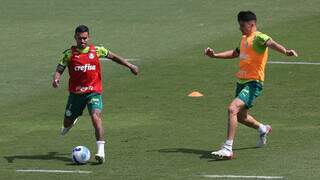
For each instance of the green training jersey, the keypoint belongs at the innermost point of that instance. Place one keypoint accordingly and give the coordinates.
(258, 43)
(100, 50)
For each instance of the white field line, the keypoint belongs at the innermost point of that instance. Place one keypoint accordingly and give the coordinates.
(106, 59)
(52, 171)
(269, 62)
(239, 177)
(294, 62)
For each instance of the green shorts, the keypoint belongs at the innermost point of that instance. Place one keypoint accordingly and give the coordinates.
(248, 92)
(77, 102)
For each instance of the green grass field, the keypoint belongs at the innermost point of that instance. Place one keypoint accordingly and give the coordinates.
(154, 131)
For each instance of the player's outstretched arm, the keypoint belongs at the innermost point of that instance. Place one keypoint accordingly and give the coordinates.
(278, 47)
(222, 55)
(120, 60)
(57, 76)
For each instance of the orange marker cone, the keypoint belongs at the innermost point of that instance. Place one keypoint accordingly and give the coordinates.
(195, 94)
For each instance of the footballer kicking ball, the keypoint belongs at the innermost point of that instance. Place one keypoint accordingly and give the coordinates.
(80, 155)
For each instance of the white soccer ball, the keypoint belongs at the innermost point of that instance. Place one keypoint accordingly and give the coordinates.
(80, 155)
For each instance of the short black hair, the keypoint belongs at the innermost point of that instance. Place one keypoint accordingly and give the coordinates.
(246, 16)
(81, 29)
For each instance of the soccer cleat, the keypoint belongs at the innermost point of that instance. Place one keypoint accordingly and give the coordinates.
(263, 137)
(100, 158)
(222, 154)
(65, 130)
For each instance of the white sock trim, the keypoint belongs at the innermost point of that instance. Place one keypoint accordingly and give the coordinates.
(228, 144)
(101, 142)
(100, 147)
(262, 129)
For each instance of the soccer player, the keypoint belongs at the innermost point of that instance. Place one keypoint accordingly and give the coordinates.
(253, 55)
(85, 85)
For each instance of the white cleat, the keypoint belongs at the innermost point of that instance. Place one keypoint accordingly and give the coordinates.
(262, 141)
(223, 154)
(65, 130)
(100, 158)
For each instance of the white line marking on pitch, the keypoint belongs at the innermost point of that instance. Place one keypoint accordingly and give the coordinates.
(52, 171)
(106, 59)
(238, 176)
(287, 62)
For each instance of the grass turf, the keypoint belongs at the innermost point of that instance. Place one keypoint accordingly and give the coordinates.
(154, 131)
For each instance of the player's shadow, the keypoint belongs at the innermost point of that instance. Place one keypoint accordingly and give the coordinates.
(49, 156)
(245, 148)
(204, 154)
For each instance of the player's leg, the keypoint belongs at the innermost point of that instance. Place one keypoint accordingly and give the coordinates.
(233, 110)
(95, 109)
(226, 151)
(250, 92)
(99, 133)
(74, 109)
(245, 95)
(68, 123)
(245, 118)
(97, 124)
(235, 106)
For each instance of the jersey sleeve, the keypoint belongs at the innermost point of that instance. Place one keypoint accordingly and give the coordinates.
(64, 61)
(261, 39)
(101, 51)
(259, 42)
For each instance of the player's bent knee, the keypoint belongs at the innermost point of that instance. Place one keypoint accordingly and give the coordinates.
(233, 110)
(96, 119)
(96, 115)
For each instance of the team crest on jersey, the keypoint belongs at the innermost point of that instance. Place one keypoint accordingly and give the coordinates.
(91, 55)
(68, 113)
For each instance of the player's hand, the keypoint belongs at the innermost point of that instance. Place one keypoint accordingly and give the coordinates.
(55, 83)
(134, 69)
(209, 52)
(291, 52)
